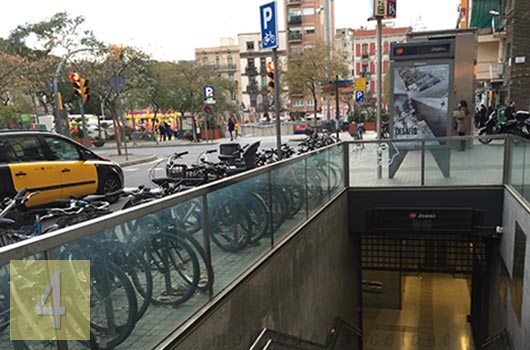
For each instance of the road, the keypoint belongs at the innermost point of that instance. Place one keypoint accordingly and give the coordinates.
(139, 174)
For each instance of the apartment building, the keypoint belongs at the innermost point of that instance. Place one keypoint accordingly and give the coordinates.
(256, 99)
(344, 46)
(305, 23)
(226, 61)
(365, 56)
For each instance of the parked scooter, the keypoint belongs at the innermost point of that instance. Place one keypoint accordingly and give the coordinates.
(514, 126)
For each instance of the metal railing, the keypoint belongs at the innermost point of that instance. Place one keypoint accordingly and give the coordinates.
(342, 335)
(238, 220)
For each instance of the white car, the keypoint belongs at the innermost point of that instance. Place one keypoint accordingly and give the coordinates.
(107, 127)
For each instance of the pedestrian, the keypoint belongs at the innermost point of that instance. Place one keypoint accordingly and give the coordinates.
(162, 131)
(509, 112)
(462, 118)
(477, 118)
(236, 129)
(483, 115)
(231, 127)
(169, 132)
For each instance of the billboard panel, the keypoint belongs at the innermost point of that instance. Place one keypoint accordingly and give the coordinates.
(420, 100)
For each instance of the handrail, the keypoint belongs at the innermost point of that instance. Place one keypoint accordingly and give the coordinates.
(84, 229)
(502, 334)
(268, 336)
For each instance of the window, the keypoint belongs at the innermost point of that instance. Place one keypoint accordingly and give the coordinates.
(217, 61)
(27, 148)
(309, 30)
(296, 50)
(7, 155)
(264, 82)
(205, 60)
(308, 11)
(231, 76)
(62, 149)
(298, 103)
(364, 50)
(250, 45)
(250, 63)
(230, 61)
(310, 102)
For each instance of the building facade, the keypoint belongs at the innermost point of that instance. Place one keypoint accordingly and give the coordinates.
(345, 46)
(306, 25)
(365, 54)
(256, 98)
(225, 61)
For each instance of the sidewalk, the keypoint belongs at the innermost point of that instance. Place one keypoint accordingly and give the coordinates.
(132, 159)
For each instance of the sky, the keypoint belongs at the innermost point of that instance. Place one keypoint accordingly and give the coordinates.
(171, 30)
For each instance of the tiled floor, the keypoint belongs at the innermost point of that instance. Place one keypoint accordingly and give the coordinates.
(433, 317)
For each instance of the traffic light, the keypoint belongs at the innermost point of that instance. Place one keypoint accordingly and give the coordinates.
(81, 88)
(270, 75)
(117, 51)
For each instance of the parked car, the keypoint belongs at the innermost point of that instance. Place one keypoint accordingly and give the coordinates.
(53, 164)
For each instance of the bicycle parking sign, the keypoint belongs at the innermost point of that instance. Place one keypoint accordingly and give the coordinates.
(269, 26)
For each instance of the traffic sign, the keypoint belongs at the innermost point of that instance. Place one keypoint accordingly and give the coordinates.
(360, 84)
(379, 8)
(209, 94)
(269, 25)
(359, 96)
(391, 9)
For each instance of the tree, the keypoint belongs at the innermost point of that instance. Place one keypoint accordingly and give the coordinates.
(307, 70)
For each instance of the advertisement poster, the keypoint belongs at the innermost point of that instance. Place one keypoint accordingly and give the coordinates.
(420, 101)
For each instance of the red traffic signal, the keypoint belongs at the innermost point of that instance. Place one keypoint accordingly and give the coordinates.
(270, 75)
(80, 84)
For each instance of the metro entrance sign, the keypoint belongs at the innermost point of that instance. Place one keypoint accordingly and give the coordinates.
(386, 9)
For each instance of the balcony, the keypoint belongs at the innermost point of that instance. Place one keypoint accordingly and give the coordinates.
(225, 67)
(294, 19)
(295, 36)
(490, 71)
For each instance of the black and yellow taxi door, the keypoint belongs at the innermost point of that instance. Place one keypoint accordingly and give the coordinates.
(34, 170)
(78, 176)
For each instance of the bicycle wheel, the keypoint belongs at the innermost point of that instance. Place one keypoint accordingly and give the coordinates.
(226, 230)
(113, 305)
(174, 267)
(188, 216)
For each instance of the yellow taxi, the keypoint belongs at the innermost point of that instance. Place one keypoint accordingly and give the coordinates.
(54, 165)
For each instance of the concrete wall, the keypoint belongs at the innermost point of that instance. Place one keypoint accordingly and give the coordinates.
(504, 315)
(299, 290)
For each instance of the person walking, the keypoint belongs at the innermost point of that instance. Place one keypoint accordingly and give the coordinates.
(509, 112)
(231, 127)
(462, 120)
(162, 131)
(236, 129)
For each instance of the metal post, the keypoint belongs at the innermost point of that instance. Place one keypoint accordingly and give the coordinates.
(206, 240)
(59, 121)
(327, 36)
(277, 102)
(378, 90)
(422, 165)
(337, 114)
(123, 136)
(83, 121)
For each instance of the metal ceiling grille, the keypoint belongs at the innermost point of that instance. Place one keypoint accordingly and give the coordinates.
(447, 254)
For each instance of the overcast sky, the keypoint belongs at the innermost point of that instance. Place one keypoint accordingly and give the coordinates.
(171, 30)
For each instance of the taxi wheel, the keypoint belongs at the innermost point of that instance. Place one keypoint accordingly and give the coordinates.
(111, 184)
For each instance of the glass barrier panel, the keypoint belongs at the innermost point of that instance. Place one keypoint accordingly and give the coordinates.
(288, 197)
(147, 276)
(448, 164)
(526, 173)
(336, 165)
(517, 166)
(317, 181)
(399, 163)
(239, 222)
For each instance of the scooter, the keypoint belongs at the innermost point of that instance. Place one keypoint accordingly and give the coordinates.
(493, 127)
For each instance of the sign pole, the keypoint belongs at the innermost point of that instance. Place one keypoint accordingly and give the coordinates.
(277, 103)
(337, 114)
(83, 121)
(378, 91)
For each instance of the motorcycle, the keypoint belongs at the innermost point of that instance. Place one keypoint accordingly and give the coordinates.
(514, 126)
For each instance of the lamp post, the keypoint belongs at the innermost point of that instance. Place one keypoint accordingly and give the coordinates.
(327, 39)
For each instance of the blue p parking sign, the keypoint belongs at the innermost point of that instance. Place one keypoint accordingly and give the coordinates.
(269, 26)
(209, 94)
(359, 96)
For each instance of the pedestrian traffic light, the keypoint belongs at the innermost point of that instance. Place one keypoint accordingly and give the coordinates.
(270, 75)
(81, 88)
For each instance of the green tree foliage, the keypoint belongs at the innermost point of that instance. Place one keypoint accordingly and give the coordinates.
(8, 116)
